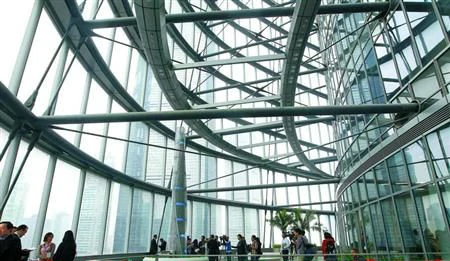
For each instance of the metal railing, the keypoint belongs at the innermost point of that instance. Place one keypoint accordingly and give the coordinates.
(391, 256)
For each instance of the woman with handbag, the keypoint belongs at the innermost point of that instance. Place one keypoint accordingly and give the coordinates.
(47, 249)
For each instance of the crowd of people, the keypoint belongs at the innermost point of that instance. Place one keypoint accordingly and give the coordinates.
(154, 245)
(11, 245)
(212, 245)
(294, 244)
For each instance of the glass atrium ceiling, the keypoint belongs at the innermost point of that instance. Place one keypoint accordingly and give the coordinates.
(217, 64)
(74, 71)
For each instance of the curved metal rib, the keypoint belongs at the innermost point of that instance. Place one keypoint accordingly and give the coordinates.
(151, 24)
(92, 61)
(302, 21)
(207, 31)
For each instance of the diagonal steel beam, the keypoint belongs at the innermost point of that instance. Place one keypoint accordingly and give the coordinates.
(274, 78)
(303, 143)
(236, 102)
(247, 59)
(260, 12)
(263, 186)
(225, 113)
(266, 126)
(307, 204)
(315, 161)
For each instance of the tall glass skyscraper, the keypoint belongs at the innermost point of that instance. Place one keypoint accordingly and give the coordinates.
(375, 175)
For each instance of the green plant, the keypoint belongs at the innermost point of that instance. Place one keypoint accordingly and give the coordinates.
(302, 218)
(282, 220)
(276, 246)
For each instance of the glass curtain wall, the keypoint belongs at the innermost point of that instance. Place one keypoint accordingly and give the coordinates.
(414, 215)
(381, 59)
(110, 216)
(398, 205)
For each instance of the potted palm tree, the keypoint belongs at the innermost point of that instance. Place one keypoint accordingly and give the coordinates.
(282, 220)
(302, 218)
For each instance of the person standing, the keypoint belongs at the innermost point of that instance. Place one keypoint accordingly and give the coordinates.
(10, 246)
(255, 248)
(300, 243)
(154, 245)
(227, 245)
(285, 245)
(20, 232)
(47, 248)
(213, 248)
(67, 249)
(163, 245)
(241, 248)
(328, 247)
(202, 245)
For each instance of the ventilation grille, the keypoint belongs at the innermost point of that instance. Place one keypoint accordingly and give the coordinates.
(419, 129)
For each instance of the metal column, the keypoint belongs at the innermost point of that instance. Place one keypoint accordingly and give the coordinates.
(40, 222)
(177, 235)
(10, 161)
(25, 47)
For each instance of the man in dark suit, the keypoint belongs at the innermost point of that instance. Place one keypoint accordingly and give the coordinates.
(10, 246)
(19, 233)
(154, 245)
(163, 245)
(241, 248)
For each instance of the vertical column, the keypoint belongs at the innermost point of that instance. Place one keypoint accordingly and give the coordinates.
(177, 235)
(10, 160)
(105, 216)
(25, 47)
(40, 222)
(86, 89)
(130, 216)
(79, 200)
(58, 76)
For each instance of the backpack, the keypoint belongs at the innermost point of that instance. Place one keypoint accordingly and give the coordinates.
(330, 247)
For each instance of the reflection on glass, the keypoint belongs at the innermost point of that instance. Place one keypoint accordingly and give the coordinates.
(24, 202)
(431, 218)
(414, 152)
(427, 33)
(390, 222)
(161, 215)
(60, 212)
(371, 186)
(369, 240)
(444, 60)
(118, 219)
(137, 153)
(140, 224)
(435, 146)
(237, 225)
(92, 215)
(409, 226)
(427, 85)
(377, 219)
(251, 222)
(382, 178)
(443, 236)
(442, 168)
(419, 173)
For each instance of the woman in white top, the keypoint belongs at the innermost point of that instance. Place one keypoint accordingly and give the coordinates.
(285, 245)
(47, 249)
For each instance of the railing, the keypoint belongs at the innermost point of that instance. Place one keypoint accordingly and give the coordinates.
(392, 256)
